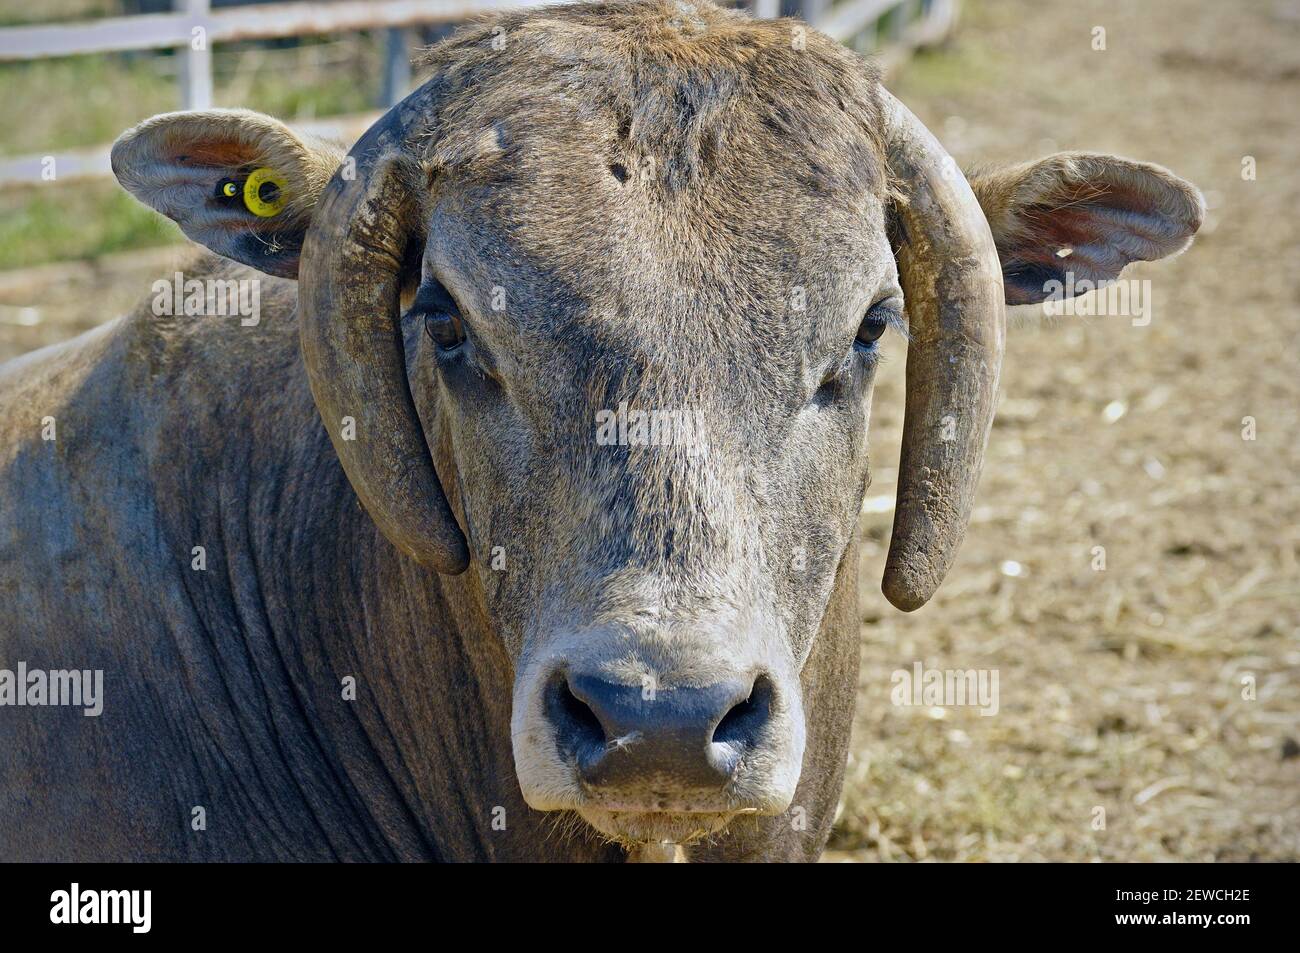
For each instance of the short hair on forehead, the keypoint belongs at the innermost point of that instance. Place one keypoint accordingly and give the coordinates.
(698, 88)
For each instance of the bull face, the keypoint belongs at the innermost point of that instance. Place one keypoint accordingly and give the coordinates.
(655, 426)
(606, 302)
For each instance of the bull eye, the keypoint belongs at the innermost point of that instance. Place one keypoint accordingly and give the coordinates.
(442, 321)
(874, 322)
(444, 329)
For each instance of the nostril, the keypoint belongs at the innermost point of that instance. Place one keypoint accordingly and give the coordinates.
(577, 727)
(744, 722)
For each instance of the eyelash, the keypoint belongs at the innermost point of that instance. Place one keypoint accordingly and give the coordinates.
(877, 320)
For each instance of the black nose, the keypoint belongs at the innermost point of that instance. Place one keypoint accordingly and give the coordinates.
(631, 741)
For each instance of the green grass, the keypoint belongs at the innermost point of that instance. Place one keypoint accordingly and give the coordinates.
(945, 71)
(71, 221)
(316, 78)
(19, 12)
(51, 105)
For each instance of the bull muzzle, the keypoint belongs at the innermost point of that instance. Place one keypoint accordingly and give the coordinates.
(631, 739)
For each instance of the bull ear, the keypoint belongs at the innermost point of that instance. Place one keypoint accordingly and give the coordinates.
(241, 183)
(1083, 215)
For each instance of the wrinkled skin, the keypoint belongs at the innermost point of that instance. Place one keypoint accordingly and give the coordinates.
(224, 687)
(691, 235)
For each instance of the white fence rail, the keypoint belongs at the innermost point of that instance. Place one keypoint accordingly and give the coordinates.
(194, 28)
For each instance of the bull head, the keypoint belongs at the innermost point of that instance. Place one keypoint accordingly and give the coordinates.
(648, 198)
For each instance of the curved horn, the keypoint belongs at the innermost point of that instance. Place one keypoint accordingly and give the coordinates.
(349, 317)
(952, 285)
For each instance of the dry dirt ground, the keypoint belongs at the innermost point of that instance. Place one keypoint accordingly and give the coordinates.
(1147, 711)
(1120, 689)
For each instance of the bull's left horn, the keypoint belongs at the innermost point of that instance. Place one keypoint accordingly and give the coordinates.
(952, 285)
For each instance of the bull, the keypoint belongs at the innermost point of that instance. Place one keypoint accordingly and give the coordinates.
(393, 572)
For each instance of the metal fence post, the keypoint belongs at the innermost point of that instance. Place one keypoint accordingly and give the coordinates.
(397, 67)
(196, 58)
(812, 11)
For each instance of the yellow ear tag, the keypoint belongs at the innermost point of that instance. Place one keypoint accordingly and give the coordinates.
(264, 192)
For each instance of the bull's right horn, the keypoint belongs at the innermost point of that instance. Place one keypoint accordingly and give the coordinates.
(952, 286)
(349, 282)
